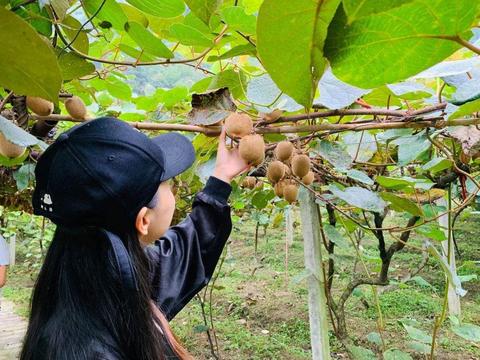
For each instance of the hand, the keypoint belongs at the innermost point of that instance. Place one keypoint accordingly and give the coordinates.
(229, 163)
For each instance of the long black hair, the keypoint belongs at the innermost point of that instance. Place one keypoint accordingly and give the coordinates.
(79, 304)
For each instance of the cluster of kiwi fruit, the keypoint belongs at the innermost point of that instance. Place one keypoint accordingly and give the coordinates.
(74, 106)
(251, 182)
(251, 146)
(287, 164)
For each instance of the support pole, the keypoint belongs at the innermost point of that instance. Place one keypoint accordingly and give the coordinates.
(317, 302)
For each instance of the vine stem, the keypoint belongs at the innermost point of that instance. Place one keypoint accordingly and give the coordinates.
(327, 127)
(439, 320)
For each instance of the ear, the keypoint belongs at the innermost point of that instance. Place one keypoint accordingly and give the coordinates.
(142, 221)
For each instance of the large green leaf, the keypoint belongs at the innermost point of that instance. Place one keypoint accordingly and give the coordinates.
(467, 331)
(237, 19)
(147, 41)
(71, 27)
(234, 80)
(335, 154)
(291, 35)
(203, 9)
(356, 9)
(360, 197)
(395, 354)
(73, 66)
(160, 8)
(188, 35)
(28, 63)
(110, 14)
(399, 204)
(395, 44)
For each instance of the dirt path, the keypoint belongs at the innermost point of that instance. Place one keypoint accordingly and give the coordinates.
(12, 330)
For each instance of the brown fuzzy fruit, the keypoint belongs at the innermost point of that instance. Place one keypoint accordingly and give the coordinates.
(249, 182)
(284, 150)
(288, 171)
(238, 125)
(279, 187)
(290, 193)
(39, 106)
(300, 165)
(10, 149)
(275, 171)
(252, 149)
(308, 179)
(76, 108)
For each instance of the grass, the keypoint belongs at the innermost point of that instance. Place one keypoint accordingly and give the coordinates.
(260, 310)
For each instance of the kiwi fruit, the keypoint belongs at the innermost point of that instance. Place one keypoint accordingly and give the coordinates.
(275, 171)
(10, 149)
(238, 125)
(284, 150)
(300, 165)
(288, 171)
(279, 187)
(252, 149)
(259, 185)
(39, 106)
(290, 193)
(308, 179)
(76, 108)
(249, 182)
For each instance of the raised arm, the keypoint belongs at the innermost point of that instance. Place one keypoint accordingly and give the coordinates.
(184, 259)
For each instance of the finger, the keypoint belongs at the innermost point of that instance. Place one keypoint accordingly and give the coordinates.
(222, 138)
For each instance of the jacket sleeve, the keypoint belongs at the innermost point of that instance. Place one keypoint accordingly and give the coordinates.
(184, 259)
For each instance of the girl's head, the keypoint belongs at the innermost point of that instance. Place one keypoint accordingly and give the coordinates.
(102, 176)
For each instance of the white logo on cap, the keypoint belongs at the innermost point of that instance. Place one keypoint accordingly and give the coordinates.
(47, 200)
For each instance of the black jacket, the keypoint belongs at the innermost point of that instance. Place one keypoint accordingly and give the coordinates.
(184, 259)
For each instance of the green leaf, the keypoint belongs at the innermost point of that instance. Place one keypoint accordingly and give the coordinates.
(360, 197)
(359, 176)
(374, 337)
(134, 53)
(376, 50)
(469, 332)
(334, 236)
(410, 90)
(261, 199)
(24, 175)
(432, 231)
(160, 8)
(335, 94)
(361, 353)
(399, 204)
(392, 182)
(360, 145)
(237, 19)
(188, 35)
(291, 35)
(234, 80)
(356, 9)
(419, 347)
(395, 354)
(119, 89)
(466, 92)
(133, 14)
(335, 154)
(35, 70)
(200, 328)
(465, 109)
(174, 96)
(111, 12)
(60, 7)
(437, 164)
(17, 135)
(71, 28)
(410, 148)
(203, 9)
(245, 49)
(73, 66)
(147, 41)
(417, 334)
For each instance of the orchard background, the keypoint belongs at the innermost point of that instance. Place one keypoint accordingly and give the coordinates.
(383, 96)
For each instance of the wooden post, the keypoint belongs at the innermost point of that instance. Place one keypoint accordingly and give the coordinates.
(13, 241)
(317, 302)
(289, 225)
(453, 298)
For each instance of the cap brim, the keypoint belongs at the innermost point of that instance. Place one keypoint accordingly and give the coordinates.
(178, 152)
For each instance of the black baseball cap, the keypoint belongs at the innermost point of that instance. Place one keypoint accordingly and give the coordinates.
(103, 171)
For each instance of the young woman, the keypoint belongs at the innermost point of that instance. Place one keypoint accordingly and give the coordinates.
(115, 273)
